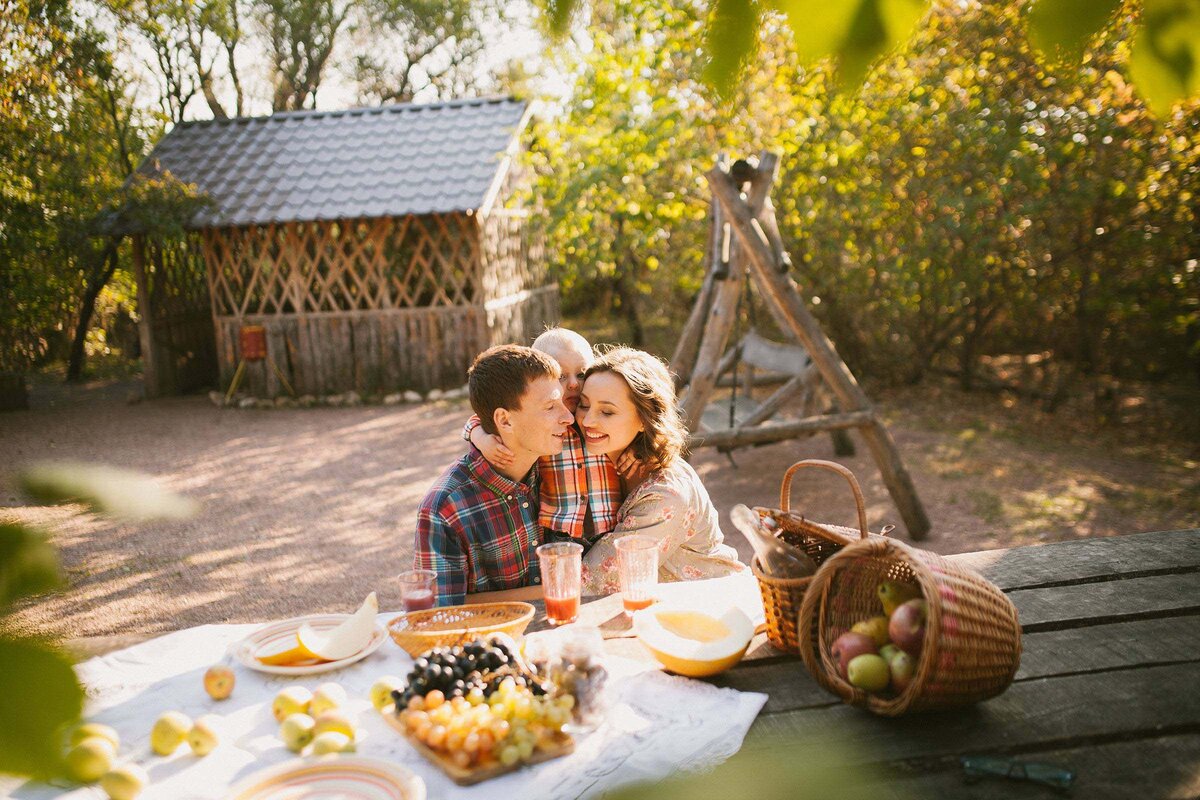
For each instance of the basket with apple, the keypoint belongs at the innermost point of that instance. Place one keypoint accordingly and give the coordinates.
(812, 543)
(895, 629)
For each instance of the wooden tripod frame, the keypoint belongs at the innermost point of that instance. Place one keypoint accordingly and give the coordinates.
(744, 238)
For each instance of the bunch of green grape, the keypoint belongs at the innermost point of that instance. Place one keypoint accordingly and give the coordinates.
(507, 727)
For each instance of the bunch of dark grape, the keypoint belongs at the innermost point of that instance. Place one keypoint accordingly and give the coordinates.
(457, 671)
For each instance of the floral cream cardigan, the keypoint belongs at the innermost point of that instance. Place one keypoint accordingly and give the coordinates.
(672, 506)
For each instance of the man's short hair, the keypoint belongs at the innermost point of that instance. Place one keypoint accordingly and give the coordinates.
(500, 376)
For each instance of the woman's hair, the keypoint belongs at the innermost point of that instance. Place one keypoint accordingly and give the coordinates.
(653, 392)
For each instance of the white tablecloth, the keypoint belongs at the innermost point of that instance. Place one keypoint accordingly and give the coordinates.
(658, 724)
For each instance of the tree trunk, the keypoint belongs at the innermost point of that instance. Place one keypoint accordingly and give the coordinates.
(87, 310)
(626, 294)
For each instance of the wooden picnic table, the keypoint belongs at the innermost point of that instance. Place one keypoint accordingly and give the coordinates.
(1109, 682)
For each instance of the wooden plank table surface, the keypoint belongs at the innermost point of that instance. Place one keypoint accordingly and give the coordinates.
(1109, 683)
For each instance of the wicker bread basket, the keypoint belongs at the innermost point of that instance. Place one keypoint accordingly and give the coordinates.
(782, 596)
(420, 631)
(972, 644)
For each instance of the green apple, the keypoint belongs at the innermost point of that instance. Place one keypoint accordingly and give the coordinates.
(169, 732)
(202, 738)
(381, 691)
(124, 782)
(869, 672)
(327, 697)
(90, 730)
(90, 759)
(333, 721)
(332, 742)
(888, 651)
(297, 731)
(289, 701)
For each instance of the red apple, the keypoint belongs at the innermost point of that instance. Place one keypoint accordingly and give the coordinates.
(907, 626)
(849, 645)
(902, 667)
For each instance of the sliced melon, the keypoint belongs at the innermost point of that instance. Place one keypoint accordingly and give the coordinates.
(347, 639)
(694, 643)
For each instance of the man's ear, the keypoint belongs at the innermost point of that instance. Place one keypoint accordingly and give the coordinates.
(502, 420)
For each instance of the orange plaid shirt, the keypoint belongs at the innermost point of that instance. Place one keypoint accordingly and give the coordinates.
(571, 482)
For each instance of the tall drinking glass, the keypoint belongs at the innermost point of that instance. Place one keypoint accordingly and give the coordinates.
(417, 589)
(637, 568)
(561, 564)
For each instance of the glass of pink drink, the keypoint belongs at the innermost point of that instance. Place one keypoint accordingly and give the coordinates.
(417, 589)
(561, 564)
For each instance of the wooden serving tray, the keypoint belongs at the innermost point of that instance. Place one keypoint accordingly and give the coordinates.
(562, 745)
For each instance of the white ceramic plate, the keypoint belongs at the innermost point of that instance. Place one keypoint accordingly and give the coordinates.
(337, 776)
(277, 636)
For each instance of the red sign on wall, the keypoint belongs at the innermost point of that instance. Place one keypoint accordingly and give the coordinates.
(253, 341)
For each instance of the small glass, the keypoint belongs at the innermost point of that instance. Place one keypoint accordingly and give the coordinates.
(637, 568)
(561, 564)
(579, 670)
(417, 589)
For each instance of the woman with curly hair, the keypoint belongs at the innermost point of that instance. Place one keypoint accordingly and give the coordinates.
(628, 401)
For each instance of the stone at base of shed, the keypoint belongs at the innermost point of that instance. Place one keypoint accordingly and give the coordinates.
(346, 399)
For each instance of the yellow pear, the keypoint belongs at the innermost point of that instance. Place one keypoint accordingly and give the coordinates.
(892, 594)
(296, 732)
(292, 700)
(90, 759)
(332, 742)
(326, 697)
(89, 730)
(334, 721)
(124, 782)
(169, 732)
(381, 691)
(202, 738)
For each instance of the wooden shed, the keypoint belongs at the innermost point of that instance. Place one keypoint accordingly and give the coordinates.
(379, 249)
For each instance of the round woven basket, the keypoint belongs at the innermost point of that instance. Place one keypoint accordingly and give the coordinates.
(782, 596)
(972, 645)
(418, 632)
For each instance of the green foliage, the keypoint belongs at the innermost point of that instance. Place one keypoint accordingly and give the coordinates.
(620, 171)
(968, 200)
(116, 492)
(40, 689)
(28, 564)
(42, 696)
(856, 32)
(826, 770)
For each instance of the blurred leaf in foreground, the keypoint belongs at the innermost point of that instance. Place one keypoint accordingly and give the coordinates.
(729, 41)
(28, 564)
(119, 493)
(1165, 63)
(1063, 27)
(856, 32)
(789, 770)
(41, 695)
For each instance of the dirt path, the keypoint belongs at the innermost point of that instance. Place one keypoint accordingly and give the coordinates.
(307, 510)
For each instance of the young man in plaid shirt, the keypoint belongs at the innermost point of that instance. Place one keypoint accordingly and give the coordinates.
(580, 491)
(477, 527)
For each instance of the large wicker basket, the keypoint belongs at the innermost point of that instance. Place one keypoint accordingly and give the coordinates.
(972, 644)
(782, 596)
(420, 631)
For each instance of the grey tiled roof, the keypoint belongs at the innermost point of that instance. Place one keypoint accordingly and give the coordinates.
(316, 165)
